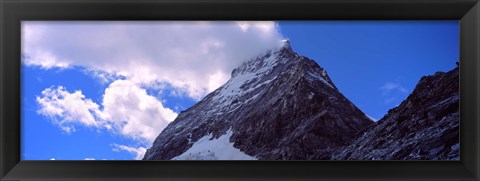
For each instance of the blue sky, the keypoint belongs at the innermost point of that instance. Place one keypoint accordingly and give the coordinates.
(376, 64)
(104, 90)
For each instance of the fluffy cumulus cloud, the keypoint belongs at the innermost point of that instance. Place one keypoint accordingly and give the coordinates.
(195, 57)
(67, 109)
(126, 109)
(131, 111)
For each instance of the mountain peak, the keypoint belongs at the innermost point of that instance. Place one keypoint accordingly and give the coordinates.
(261, 112)
(286, 44)
(266, 61)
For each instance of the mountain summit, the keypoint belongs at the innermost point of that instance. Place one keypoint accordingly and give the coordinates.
(277, 106)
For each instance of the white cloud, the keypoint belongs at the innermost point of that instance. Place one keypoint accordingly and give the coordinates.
(102, 76)
(89, 159)
(195, 57)
(138, 152)
(133, 112)
(390, 86)
(127, 110)
(53, 159)
(392, 91)
(67, 108)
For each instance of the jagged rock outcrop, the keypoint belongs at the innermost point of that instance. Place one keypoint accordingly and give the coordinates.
(278, 106)
(425, 126)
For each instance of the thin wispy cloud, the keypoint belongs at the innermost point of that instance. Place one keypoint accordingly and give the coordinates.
(138, 152)
(388, 87)
(389, 100)
(392, 91)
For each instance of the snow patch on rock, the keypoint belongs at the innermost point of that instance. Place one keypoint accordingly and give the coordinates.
(319, 77)
(207, 148)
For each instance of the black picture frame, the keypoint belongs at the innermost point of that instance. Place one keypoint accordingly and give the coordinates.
(12, 12)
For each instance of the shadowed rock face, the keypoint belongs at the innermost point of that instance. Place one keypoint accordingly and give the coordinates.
(425, 126)
(279, 106)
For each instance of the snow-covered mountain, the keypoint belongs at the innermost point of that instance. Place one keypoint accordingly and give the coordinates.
(278, 106)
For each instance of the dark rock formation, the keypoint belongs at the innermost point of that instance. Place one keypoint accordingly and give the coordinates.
(425, 126)
(283, 106)
(278, 106)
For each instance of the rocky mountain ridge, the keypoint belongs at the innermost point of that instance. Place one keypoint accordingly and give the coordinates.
(425, 126)
(284, 106)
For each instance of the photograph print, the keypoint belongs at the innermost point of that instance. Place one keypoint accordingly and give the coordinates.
(240, 90)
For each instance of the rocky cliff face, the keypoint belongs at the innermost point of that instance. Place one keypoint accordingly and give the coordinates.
(283, 106)
(278, 106)
(423, 127)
